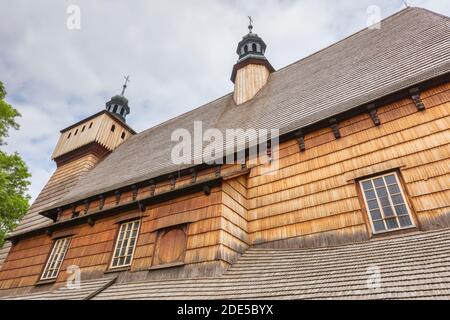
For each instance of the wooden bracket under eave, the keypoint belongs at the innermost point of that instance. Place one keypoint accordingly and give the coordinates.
(101, 201)
(193, 172)
(335, 127)
(152, 187)
(415, 96)
(118, 194)
(134, 191)
(300, 140)
(371, 108)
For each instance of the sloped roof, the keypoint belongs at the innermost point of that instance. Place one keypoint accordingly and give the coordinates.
(412, 46)
(87, 289)
(411, 266)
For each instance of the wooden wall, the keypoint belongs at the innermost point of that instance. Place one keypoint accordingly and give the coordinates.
(312, 199)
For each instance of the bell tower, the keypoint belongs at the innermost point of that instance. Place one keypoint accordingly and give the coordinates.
(252, 69)
(97, 135)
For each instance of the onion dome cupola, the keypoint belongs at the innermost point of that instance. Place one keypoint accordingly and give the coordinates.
(252, 69)
(118, 105)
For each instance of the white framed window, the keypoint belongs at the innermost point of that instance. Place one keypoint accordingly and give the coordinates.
(125, 244)
(386, 203)
(56, 258)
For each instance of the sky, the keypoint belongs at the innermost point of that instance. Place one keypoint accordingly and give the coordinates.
(179, 55)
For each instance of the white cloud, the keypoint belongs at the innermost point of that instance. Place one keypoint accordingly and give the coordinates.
(179, 55)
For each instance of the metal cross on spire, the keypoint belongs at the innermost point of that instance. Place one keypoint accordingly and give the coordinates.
(250, 24)
(127, 79)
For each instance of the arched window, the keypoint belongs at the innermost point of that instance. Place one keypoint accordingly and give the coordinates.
(76, 131)
(90, 126)
(123, 135)
(246, 49)
(70, 133)
(113, 127)
(122, 111)
(82, 130)
(254, 47)
(115, 108)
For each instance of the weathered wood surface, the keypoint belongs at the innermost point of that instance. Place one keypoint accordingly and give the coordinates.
(311, 201)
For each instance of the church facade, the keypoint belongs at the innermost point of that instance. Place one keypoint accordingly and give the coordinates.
(359, 181)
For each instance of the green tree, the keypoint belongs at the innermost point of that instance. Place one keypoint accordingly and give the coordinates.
(14, 174)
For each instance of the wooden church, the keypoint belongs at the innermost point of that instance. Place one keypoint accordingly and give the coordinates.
(361, 186)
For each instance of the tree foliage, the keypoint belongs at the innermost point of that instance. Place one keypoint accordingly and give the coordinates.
(14, 174)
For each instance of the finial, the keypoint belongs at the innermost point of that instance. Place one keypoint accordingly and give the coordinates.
(127, 79)
(250, 24)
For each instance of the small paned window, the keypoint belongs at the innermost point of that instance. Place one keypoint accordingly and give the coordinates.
(385, 203)
(125, 244)
(113, 128)
(55, 259)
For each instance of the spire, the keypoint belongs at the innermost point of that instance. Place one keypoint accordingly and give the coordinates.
(252, 69)
(118, 105)
(127, 79)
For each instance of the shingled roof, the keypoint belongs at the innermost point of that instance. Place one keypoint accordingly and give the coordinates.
(412, 46)
(411, 266)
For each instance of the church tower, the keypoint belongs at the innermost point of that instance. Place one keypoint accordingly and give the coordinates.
(252, 69)
(96, 135)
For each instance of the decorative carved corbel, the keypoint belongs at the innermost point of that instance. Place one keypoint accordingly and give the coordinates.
(59, 213)
(86, 206)
(134, 191)
(173, 180)
(118, 194)
(217, 170)
(193, 172)
(207, 190)
(101, 202)
(415, 96)
(300, 140)
(373, 114)
(74, 212)
(152, 187)
(335, 127)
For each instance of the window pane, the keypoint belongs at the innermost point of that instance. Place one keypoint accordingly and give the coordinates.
(370, 194)
(391, 223)
(397, 199)
(388, 212)
(378, 225)
(378, 182)
(373, 204)
(393, 189)
(401, 210)
(390, 179)
(405, 221)
(376, 214)
(381, 192)
(367, 185)
(385, 202)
